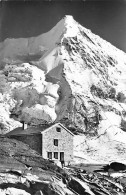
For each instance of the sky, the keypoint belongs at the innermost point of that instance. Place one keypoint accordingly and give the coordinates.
(26, 19)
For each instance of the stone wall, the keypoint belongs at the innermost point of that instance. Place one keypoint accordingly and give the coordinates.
(34, 141)
(65, 143)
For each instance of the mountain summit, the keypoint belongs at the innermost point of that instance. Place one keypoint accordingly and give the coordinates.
(26, 49)
(67, 75)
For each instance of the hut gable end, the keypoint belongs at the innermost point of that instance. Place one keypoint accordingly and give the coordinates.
(57, 125)
(57, 142)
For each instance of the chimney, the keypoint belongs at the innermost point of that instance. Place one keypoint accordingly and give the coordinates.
(24, 125)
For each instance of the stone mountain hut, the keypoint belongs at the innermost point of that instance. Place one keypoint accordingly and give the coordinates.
(54, 142)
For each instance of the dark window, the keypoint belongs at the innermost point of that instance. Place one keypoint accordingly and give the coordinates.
(58, 129)
(55, 142)
(49, 155)
(56, 155)
(61, 156)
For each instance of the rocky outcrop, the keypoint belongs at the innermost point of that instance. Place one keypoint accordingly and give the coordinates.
(23, 171)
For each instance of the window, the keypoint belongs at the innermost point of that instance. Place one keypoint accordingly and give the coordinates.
(49, 155)
(56, 155)
(55, 142)
(58, 129)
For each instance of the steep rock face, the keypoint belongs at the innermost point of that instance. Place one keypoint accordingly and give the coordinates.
(67, 74)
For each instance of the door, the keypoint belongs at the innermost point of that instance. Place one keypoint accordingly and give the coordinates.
(49, 155)
(62, 156)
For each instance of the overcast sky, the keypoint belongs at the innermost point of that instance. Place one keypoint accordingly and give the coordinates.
(25, 19)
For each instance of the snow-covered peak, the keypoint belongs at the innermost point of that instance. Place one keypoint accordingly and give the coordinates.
(69, 19)
(67, 75)
(25, 49)
(71, 27)
(66, 27)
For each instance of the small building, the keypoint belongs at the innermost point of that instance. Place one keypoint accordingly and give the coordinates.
(54, 142)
